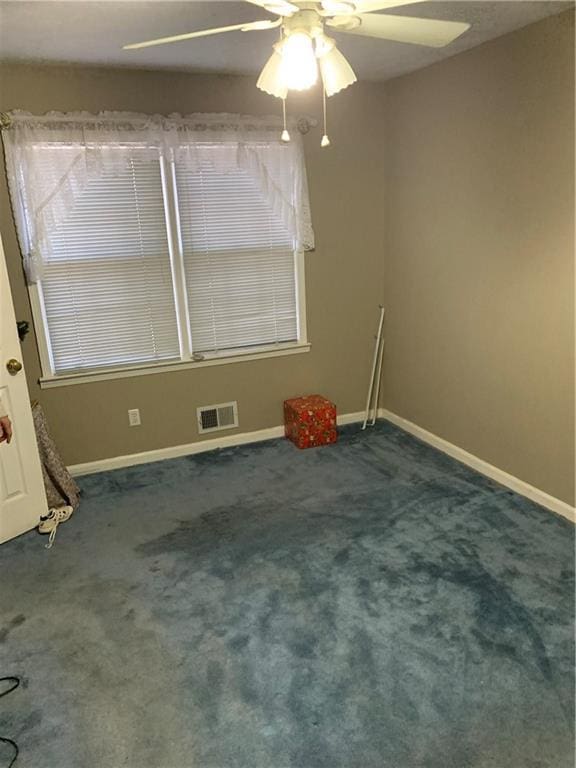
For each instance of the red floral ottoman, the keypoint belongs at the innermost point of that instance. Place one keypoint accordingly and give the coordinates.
(310, 421)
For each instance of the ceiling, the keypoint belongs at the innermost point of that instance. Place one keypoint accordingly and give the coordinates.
(93, 32)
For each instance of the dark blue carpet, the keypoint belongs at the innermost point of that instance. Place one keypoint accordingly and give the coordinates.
(368, 605)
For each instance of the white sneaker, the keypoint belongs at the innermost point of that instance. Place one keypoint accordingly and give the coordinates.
(49, 523)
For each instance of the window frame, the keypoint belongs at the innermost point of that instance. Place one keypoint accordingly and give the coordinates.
(188, 359)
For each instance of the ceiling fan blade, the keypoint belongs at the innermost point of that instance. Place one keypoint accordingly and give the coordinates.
(402, 29)
(279, 7)
(250, 27)
(368, 6)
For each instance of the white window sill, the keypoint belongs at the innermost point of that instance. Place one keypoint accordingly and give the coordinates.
(85, 377)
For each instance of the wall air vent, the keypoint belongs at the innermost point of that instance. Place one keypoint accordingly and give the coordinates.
(212, 418)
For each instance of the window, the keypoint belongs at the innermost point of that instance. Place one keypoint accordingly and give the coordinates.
(151, 242)
(165, 259)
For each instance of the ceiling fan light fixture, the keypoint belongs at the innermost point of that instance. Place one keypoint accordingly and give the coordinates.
(304, 51)
(292, 66)
(336, 72)
(299, 69)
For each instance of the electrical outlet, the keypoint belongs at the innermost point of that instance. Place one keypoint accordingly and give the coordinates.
(134, 417)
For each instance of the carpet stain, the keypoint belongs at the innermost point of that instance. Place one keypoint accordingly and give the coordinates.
(12, 624)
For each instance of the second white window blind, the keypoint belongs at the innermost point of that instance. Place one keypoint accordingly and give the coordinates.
(238, 258)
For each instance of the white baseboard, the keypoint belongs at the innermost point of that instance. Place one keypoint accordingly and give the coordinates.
(501, 477)
(244, 438)
(175, 451)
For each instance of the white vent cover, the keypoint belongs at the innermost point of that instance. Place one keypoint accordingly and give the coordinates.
(212, 418)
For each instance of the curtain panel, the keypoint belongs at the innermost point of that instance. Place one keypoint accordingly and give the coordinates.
(83, 147)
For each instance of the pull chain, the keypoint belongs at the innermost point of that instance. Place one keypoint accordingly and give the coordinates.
(285, 135)
(325, 140)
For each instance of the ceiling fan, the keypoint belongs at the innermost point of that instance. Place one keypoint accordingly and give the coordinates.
(304, 49)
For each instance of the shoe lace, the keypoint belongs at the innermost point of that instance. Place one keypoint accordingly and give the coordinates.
(57, 515)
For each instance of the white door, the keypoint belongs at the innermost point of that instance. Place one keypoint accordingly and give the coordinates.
(22, 497)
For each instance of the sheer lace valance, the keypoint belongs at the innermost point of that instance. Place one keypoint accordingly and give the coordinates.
(51, 158)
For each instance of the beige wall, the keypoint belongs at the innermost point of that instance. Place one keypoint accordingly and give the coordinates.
(479, 266)
(343, 275)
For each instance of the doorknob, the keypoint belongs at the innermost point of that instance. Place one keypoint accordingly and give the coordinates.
(13, 366)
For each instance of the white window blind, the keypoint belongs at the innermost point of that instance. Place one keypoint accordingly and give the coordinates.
(239, 259)
(107, 288)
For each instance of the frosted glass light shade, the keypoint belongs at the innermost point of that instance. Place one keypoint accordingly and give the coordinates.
(294, 66)
(337, 74)
(270, 80)
(299, 69)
